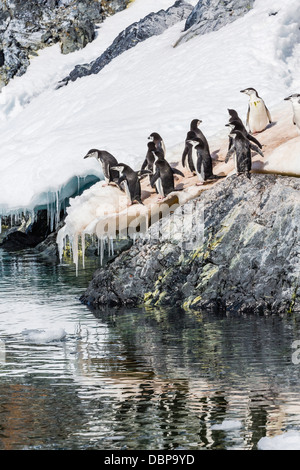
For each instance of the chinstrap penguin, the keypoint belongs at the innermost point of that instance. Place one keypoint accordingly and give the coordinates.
(295, 100)
(107, 160)
(201, 157)
(129, 180)
(163, 178)
(187, 155)
(241, 152)
(258, 115)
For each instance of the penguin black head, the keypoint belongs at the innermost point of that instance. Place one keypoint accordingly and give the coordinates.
(295, 98)
(92, 153)
(195, 123)
(154, 136)
(192, 137)
(238, 134)
(233, 113)
(250, 91)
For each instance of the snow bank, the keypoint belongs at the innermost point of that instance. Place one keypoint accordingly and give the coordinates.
(287, 441)
(153, 87)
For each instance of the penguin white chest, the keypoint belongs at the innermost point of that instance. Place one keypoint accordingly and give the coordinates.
(195, 162)
(258, 117)
(297, 115)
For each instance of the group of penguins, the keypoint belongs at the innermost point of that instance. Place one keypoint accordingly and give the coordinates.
(196, 156)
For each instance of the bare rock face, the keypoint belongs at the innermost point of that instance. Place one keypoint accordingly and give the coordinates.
(27, 26)
(211, 15)
(153, 24)
(245, 257)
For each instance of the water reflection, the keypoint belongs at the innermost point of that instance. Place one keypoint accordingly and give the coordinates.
(136, 379)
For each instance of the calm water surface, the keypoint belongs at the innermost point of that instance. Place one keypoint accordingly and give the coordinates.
(134, 379)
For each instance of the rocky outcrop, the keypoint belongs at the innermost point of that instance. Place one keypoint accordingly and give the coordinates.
(27, 26)
(240, 253)
(153, 24)
(211, 15)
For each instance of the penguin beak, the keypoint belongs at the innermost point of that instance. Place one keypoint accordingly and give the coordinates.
(287, 99)
(87, 156)
(243, 91)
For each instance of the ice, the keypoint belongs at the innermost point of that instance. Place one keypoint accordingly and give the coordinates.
(287, 441)
(39, 336)
(227, 425)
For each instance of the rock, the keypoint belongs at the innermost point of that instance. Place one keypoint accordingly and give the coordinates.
(151, 25)
(245, 255)
(211, 15)
(29, 237)
(26, 27)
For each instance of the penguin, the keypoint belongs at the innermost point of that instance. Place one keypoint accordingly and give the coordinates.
(164, 178)
(201, 157)
(295, 100)
(258, 115)
(194, 126)
(152, 154)
(241, 151)
(130, 181)
(239, 126)
(188, 149)
(107, 161)
(158, 141)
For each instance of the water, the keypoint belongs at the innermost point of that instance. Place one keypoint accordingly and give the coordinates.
(135, 379)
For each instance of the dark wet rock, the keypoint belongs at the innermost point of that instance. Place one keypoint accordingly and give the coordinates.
(27, 26)
(212, 15)
(242, 256)
(28, 237)
(153, 24)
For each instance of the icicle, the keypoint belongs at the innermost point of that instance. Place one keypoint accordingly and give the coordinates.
(101, 250)
(112, 246)
(83, 249)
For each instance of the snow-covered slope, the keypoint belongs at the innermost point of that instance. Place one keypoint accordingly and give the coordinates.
(153, 87)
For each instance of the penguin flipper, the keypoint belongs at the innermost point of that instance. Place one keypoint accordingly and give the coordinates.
(177, 172)
(247, 119)
(256, 149)
(154, 179)
(144, 164)
(269, 115)
(229, 154)
(253, 139)
(184, 155)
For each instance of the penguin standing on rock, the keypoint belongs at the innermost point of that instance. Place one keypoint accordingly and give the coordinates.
(129, 180)
(295, 100)
(153, 154)
(241, 151)
(258, 116)
(163, 178)
(187, 156)
(107, 161)
(201, 158)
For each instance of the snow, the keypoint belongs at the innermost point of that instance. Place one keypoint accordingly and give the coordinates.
(289, 440)
(45, 132)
